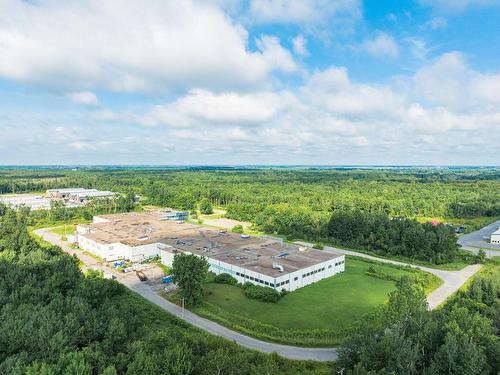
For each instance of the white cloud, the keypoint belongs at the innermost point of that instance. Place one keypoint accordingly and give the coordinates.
(299, 46)
(200, 107)
(381, 46)
(83, 97)
(275, 55)
(302, 12)
(436, 23)
(129, 46)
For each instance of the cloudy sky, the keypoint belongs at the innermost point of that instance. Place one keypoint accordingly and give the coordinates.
(250, 82)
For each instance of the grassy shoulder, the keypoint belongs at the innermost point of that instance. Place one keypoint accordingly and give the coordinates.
(456, 265)
(316, 315)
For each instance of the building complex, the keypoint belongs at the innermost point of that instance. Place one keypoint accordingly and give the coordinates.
(70, 197)
(259, 260)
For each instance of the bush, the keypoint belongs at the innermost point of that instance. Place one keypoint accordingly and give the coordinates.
(261, 293)
(318, 246)
(225, 278)
(237, 229)
(210, 277)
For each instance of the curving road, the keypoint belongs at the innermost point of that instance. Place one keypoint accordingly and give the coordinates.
(452, 280)
(480, 240)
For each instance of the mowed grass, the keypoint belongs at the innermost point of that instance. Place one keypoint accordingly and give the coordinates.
(333, 303)
(64, 231)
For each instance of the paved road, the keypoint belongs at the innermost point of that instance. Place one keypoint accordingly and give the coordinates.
(142, 288)
(452, 281)
(479, 239)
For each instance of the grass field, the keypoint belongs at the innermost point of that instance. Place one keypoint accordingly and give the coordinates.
(64, 231)
(312, 316)
(456, 265)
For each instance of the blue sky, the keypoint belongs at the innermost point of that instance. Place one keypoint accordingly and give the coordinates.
(250, 82)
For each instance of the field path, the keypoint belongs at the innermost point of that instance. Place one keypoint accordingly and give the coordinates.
(452, 281)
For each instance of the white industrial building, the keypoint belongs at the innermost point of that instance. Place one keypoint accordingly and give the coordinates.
(78, 196)
(258, 260)
(34, 202)
(495, 237)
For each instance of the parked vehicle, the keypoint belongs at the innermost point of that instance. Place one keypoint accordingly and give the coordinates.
(141, 275)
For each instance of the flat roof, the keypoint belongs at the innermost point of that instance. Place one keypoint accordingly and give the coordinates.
(257, 254)
(497, 231)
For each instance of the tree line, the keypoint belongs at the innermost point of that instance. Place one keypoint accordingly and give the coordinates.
(56, 321)
(404, 337)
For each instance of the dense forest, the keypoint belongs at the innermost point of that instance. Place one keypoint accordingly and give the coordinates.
(301, 203)
(54, 320)
(403, 337)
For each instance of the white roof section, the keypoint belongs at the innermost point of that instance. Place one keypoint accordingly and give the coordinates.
(67, 190)
(497, 232)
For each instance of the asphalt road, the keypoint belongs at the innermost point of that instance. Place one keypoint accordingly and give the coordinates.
(479, 239)
(142, 288)
(452, 281)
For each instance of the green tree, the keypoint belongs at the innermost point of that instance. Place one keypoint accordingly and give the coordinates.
(189, 272)
(206, 207)
(237, 229)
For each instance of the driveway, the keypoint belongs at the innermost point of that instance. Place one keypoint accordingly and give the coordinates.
(145, 290)
(452, 282)
(480, 239)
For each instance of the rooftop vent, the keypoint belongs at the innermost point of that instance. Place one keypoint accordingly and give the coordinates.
(279, 267)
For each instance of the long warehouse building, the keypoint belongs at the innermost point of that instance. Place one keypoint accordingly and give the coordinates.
(259, 260)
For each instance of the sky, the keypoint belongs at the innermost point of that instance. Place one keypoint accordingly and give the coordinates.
(329, 82)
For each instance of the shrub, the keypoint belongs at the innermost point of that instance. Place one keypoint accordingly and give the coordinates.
(261, 293)
(210, 277)
(237, 229)
(318, 246)
(225, 278)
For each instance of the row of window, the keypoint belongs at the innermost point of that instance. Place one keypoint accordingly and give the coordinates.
(339, 263)
(313, 272)
(260, 281)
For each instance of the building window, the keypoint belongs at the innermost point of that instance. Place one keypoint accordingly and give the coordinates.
(295, 278)
(329, 266)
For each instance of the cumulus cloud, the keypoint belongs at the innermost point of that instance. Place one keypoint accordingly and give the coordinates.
(132, 47)
(201, 106)
(330, 112)
(83, 97)
(382, 46)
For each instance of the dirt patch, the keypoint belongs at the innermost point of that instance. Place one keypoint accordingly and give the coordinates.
(227, 223)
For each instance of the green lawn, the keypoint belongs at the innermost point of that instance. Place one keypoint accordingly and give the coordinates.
(320, 311)
(64, 231)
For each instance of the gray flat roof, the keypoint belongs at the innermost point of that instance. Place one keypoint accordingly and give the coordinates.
(255, 253)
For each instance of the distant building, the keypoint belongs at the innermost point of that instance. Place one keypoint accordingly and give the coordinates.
(34, 202)
(174, 215)
(63, 193)
(77, 196)
(495, 237)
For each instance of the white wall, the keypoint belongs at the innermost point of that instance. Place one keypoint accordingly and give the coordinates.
(115, 251)
(495, 238)
(291, 281)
